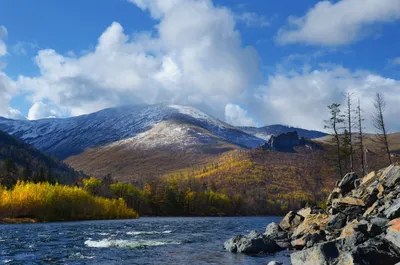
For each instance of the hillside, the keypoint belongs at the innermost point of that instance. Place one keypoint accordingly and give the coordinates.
(23, 154)
(179, 128)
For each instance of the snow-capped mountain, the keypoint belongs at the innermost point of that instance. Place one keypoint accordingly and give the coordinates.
(267, 131)
(140, 126)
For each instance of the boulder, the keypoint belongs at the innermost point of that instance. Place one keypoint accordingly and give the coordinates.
(253, 243)
(393, 211)
(368, 179)
(275, 263)
(304, 212)
(347, 183)
(393, 232)
(375, 251)
(314, 238)
(310, 224)
(347, 201)
(391, 176)
(321, 254)
(272, 230)
(337, 221)
(291, 220)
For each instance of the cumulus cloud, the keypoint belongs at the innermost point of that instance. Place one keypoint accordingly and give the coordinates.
(235, 115)
(196, 58)
(251, 19)
(39, 110)
(301, 99)
(3, 35)
(14, 114)
(8, 88)
(338, 23)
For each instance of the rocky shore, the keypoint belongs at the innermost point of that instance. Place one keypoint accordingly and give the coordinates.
(361, 225)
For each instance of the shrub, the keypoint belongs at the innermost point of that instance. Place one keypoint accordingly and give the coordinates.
(46, 202)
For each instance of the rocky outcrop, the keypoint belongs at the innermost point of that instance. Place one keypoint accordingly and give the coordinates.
(286, 142)
(361, 224)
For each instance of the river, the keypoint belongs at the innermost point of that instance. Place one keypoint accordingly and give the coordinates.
(153, 240)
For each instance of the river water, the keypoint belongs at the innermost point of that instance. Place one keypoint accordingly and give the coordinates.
(143, 241)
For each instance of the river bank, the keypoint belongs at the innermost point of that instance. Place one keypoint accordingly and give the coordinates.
(361, 225)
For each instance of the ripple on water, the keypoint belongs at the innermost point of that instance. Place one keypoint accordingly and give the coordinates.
(107, 243)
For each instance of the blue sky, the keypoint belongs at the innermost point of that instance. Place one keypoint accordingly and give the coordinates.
(247, 62)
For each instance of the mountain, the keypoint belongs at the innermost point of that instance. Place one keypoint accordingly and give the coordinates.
(267, 131)
(142, 127)
(148, 140)
(23, 154)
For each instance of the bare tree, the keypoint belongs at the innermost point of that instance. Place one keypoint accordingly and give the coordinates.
(335, 124)
(349, 112)
(360, 128)
(379, 123)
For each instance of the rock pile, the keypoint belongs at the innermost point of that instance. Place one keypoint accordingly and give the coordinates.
(361, 225)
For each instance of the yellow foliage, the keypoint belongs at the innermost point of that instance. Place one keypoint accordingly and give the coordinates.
(46, 202)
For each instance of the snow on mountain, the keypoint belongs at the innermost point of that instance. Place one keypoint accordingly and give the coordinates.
(144, 126)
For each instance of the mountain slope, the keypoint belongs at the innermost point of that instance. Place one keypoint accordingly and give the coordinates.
(23, 154)
(135, 126)
(267, 131)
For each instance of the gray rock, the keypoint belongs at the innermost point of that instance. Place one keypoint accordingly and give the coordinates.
(391, 176)
(321, 254)
(393, 236)
(394, 210)
(253, 243)
(375, 251)
(275, 263)
(337, 221)
(347, 183)
(231, 244)
(355, 239)
(291, 220)
(352, 212)
(260, 244)
(272, 230)
(314, 238)
(381, 222)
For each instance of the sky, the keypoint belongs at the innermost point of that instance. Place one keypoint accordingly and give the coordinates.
(250, 63)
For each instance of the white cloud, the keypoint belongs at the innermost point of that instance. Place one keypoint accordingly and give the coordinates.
(3, 35)
(39, 110)
(15, 114)
(251, 19)
(235, 115)
(195, 58)
(396, 61)
(22, 48)
(301, 99)
(339, 23)
(8, 88)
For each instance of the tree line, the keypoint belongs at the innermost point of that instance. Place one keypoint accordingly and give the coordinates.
(347, 128)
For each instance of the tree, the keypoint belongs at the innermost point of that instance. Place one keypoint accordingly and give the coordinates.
(27, 172)
(10, 172)
(335, 124)
(379, 123)
(360, 128)
(349, 129)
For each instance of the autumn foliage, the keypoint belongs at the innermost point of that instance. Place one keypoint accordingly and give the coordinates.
(46, 202)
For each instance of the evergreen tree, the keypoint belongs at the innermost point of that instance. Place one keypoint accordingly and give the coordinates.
(10, 173)
(335, 123)
(27, 173)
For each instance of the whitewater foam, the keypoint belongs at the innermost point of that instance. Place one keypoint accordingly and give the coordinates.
(136, 233)
(107, 243)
